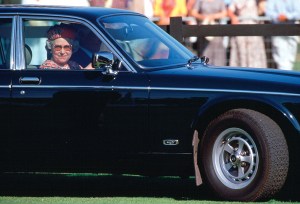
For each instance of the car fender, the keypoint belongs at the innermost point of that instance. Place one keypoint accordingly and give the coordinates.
(213, 107)
(218, 105)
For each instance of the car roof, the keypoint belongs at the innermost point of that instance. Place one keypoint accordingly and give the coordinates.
(91, 13)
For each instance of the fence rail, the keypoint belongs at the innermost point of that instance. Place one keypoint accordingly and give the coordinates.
(180, 30)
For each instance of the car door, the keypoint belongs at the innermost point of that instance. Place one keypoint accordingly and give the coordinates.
(76, 117)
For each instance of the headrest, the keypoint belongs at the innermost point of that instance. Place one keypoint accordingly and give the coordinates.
(28, 54)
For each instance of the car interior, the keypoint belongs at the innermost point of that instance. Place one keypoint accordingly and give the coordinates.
(35, 33)
(5, 42)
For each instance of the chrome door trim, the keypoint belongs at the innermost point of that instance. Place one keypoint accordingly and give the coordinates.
(163, 89)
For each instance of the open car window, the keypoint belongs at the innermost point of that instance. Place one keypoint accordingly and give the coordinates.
(38, 50)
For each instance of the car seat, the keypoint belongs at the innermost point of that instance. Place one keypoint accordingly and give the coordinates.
(28, 57)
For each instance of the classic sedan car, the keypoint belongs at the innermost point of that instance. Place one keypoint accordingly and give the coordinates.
(148, 106)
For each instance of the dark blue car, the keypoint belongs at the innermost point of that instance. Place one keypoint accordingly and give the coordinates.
(146, 105)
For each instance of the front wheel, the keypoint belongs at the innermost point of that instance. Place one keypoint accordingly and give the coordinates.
(244, 156)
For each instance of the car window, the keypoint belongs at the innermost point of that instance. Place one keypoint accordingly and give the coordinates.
(145, 42)
(45, 49)
(5, 42)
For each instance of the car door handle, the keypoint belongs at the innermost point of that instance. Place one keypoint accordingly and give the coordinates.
(30, 80)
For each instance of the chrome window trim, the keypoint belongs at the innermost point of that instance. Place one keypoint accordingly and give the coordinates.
(12, 60)
(159, 89)
(84, 22)
(20, 58)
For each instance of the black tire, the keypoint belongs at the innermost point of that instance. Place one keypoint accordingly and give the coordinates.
(244, 156)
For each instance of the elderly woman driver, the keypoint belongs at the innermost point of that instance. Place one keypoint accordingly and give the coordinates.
(61, 43)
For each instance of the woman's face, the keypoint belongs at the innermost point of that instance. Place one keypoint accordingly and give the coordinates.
(61, 51)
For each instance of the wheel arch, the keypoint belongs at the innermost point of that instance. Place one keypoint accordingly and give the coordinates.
(280, 114)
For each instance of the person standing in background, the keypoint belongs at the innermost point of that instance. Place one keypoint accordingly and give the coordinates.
(284, 48)
(120, 4)
(58, 2)
(189, 5)
(164, 9)
(227, 2)
(262, 7)
(99, 3)
(211, 12)
(142, 6)
(246, 51)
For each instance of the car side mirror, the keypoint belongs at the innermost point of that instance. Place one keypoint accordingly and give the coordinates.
(104, 60)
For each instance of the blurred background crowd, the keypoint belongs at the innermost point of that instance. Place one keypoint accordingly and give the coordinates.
(234, 51)
(162, 9)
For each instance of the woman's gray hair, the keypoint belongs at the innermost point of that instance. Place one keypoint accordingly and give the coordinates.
(74, 43)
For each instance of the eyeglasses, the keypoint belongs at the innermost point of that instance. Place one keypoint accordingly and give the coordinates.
(59, 47)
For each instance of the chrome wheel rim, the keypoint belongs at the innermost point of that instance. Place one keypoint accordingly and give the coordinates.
(235, 158)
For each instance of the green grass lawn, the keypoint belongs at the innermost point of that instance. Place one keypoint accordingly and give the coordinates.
(106, 188)
(109, 200)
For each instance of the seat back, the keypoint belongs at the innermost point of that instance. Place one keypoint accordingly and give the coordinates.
(28, 54)
(28, 57)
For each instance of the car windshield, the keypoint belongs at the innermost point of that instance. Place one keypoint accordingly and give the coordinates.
(145, 42)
